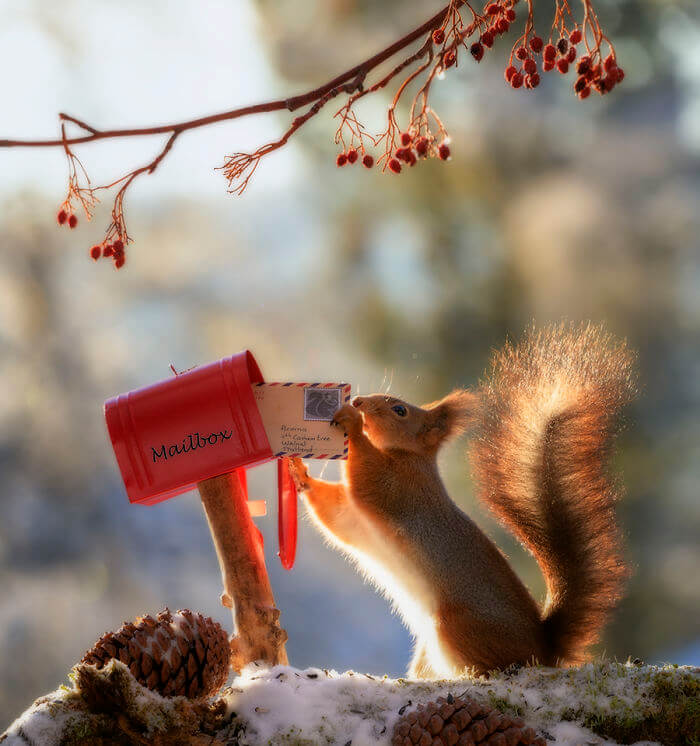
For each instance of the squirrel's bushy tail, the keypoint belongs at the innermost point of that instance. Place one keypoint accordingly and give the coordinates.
(539, 459)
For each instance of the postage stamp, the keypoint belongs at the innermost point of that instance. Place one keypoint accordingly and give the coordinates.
(321, 404)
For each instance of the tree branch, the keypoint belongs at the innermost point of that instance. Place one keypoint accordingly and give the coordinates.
(355, 74)
(423, 135)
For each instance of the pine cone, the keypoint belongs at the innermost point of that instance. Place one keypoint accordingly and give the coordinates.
(460, 721)
(175, 654)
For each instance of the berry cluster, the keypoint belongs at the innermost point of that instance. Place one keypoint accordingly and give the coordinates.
(415, 146)
(561, 56)
(114, 250)
(498, 17)
(112, 247)
(67, 217)
(412, 147)
(560, 53)
(602, 76)
(351, 156)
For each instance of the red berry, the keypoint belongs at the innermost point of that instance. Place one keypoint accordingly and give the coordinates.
(619, 74)
(563, 45)
(352, 155)
(422, 146)
(609, 62)
(449, 58)
(401, 153)
(493, 9)
(533, 80)
(548, 65)
(119, 261)
(487, 39)
(72, 221)
(477, 51)
(62, 217)
(406, 139)
(108, 250)
(580, 84)
(341, 160)
(571, 56)
(444, 151)
(118, 245)
(509, 73)
(502, 25)
(584, 93)
(510, 15)
(536, 44)
(411, 158)
(563, 66)
(517, 80)
(549, 52)
(584, 65)
(575, 36)
(530, 66)
(438, 36)
(368, 161)
(394, 166)
(609, 82)
(96, 252)
(521, 53)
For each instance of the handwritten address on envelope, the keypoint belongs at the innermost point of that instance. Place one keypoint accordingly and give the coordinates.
(297, 418)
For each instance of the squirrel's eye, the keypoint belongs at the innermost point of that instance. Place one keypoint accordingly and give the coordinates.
(400, 410)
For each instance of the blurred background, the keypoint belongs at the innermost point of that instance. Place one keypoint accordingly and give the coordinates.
(550, 208)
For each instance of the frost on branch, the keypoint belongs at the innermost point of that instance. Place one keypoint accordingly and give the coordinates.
(458, 32)
(602, 703)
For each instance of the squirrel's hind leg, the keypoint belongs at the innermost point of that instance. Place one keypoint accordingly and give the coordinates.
(479, 644)
(420, 667)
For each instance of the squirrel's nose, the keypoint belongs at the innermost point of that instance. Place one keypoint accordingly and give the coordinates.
(357, 401)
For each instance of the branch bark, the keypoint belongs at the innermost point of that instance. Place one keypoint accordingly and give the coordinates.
(247, 590)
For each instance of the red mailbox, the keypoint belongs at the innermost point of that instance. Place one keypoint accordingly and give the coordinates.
(199, 424)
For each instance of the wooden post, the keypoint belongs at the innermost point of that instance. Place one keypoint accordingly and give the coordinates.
(247, 591)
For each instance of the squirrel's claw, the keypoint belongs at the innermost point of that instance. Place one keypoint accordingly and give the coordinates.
(349, 418)
(299, 472)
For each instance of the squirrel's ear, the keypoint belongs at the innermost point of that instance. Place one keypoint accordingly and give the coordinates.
(449, 416)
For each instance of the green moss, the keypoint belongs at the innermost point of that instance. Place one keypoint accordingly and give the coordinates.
(96, 730)
(292, 737)
(505, 706)
(672, 716)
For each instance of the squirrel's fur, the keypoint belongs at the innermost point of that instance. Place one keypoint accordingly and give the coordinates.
(543, 423)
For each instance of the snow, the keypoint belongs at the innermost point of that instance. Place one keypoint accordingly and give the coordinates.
(285, 705)
(327, 707)
(38, 725)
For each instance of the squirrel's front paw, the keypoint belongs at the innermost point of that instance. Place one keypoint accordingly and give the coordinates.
(299, 472)
(349, 418)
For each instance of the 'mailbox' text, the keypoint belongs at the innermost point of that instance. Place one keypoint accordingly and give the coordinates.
(191, 442)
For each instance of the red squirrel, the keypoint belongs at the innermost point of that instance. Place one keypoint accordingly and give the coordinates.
(542, 425)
